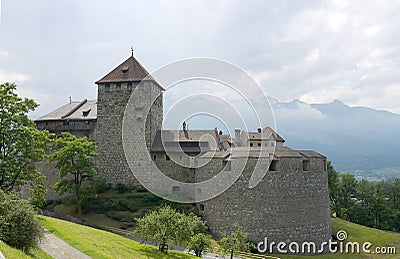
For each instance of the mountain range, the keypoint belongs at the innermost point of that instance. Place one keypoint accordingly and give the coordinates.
(355, 139)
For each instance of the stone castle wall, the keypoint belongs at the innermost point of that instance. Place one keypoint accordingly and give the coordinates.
(172, 170)
(111, 104)
(287, 205)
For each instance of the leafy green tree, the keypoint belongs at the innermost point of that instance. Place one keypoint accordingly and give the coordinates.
(199, 243)
(168, 227)
(361, 212)
(346, 194)
(21, 144)
(235, 241)
(333, 185)
(74, 160)
(19, 226)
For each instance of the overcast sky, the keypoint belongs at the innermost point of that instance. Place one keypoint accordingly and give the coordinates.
(315, 51)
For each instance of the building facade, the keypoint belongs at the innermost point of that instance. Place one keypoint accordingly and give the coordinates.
(289, 204)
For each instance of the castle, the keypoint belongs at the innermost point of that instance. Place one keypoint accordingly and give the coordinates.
(290, 203)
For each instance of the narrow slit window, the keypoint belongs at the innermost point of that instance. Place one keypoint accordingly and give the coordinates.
(306, 165)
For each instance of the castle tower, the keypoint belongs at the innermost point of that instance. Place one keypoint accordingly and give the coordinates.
(114, 91)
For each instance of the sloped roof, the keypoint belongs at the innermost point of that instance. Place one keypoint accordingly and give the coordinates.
(175, 136)
(267, 132)
(310, 153)
(84, 110)
(283, 151)
(128, 71)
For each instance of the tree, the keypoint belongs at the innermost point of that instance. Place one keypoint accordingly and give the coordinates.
(346, 194)
(199, 243)
(236, 241)
(168, 227)
(19, 226)
(21, 144)
(333, 182)
(74, 160)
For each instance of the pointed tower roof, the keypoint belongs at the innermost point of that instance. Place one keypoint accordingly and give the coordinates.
(129, 71)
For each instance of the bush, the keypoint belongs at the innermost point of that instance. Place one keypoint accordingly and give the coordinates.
(121, 188)
(19, 226)
(100, 185)
(119, 216)
(50, 204)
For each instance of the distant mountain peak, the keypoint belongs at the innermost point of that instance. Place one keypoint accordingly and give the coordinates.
(337, 101)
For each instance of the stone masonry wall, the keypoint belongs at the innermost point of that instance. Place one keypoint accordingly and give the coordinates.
(287, 205)
(111, 161)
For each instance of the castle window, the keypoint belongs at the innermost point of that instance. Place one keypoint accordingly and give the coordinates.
(129, 87)
(251, 144)
(306, 165)
(86, 113)
(167, 157)
(325, 165)
(124, 70)
(107, 87)
(274, 165)
(118, 87)
(201, 207)
(66, 122)
(154, 157)
(259, 144)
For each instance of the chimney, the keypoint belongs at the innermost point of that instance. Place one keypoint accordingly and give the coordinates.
(237, 133)
(184, 126)
(259, 130)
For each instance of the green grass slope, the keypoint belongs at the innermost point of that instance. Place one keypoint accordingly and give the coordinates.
(102, 244)
(12, 253)
(361, 234)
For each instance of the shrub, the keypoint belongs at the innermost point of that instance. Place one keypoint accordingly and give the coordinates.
(121, 188)
(19, 226)
(100, 185)
(50, 204)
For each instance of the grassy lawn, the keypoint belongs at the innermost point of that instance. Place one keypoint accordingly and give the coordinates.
(112, 208)
(103, 244)
(360, 234)
(12, 253)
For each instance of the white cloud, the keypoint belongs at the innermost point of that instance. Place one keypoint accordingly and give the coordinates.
(312, 50)
(12, 77)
